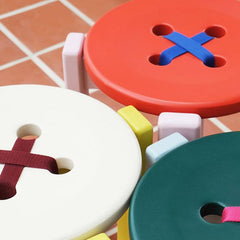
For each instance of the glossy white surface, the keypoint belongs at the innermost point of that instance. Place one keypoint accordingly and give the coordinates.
(94, 139)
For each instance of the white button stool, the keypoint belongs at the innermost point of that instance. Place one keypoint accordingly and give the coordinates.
(83, 135)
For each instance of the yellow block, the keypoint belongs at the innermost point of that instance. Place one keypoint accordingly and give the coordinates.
(143, 130)
(101, 236)
(123, 229)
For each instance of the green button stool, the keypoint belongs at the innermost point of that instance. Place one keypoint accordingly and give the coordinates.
(197, 179)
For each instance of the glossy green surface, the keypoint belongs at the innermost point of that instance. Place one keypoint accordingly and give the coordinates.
(167, 201)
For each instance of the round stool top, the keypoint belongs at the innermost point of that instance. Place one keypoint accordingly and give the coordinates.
(199, 178)
(84, 136)
(122, 52)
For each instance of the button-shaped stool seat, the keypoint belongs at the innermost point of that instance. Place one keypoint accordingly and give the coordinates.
(162, 57)
(77, 133)
(194, 181)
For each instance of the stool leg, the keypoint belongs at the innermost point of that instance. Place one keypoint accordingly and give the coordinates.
(75, 74)
(123, 229)
(101, 236)
(143, 130)
(159, 149)
(187, 124)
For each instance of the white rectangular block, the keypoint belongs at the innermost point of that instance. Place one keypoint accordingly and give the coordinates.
(73, 66)
(187, 124)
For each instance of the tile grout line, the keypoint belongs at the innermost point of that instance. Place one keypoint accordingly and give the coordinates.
(46, 69)
(13, 63)
(25, 9)
(219, 124)
(111, 231)
(77, 12)
(49, 49)
(39, 53)
(92, 90)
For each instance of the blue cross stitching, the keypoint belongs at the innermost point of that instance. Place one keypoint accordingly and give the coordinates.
(192, 45)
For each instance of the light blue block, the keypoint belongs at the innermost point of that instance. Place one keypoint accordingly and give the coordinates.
(157, 150)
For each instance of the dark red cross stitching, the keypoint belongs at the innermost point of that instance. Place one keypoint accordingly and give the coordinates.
(18, 158)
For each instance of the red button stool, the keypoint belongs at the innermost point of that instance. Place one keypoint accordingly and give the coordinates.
(124, 61)
(122, 49)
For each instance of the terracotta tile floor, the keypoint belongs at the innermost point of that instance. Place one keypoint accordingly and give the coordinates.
(54, 60)
(7, 6)
(24, 73)
(86, 6)
(44, 26)
(32, 34)
(8, 50)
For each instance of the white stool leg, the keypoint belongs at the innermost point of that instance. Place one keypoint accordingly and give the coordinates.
(75, 74)
(187, 124)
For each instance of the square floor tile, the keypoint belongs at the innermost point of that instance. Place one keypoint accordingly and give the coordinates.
(231, 121)
(45, 26)
(24, 73)
(96, 8)
(54, 60)
(209, 128)
(8, 50)
(10, 5)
